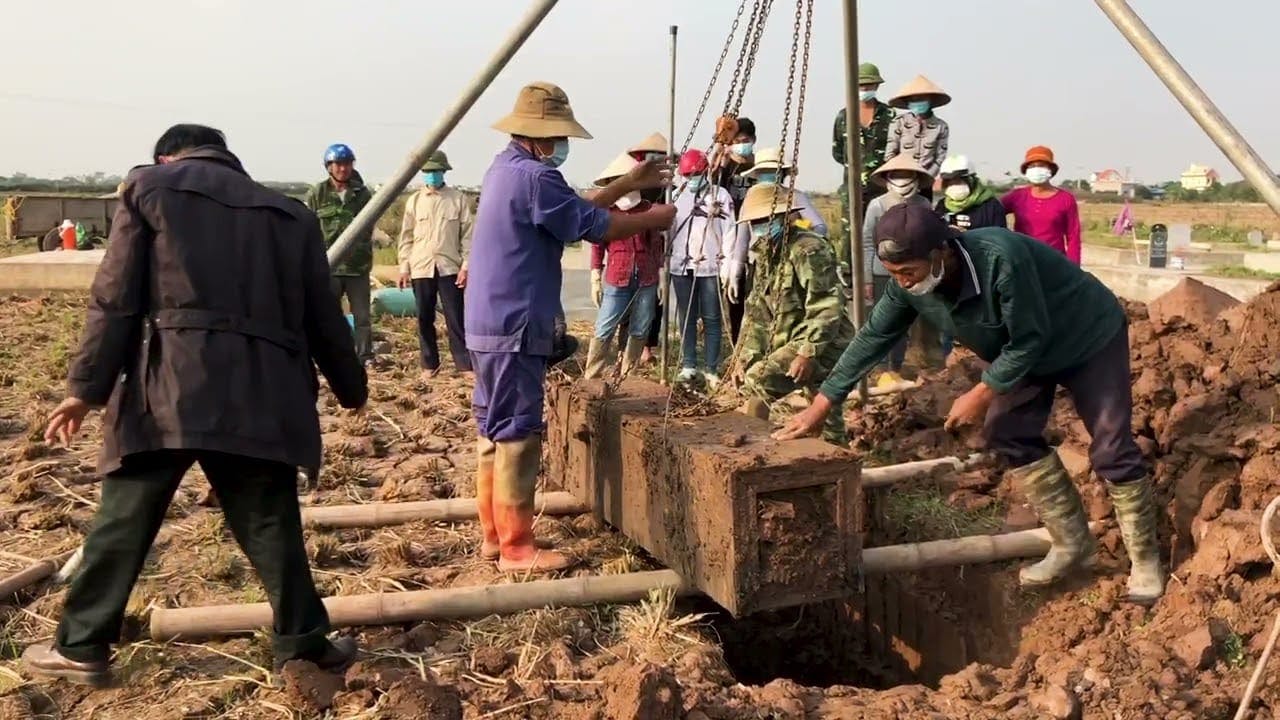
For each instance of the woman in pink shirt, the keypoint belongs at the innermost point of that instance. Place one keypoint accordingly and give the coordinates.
(1044, 212)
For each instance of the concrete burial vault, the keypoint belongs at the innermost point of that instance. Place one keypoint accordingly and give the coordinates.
(752, 523)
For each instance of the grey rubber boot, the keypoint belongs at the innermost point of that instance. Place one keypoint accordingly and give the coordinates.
(631, 358)
(1048, 487)
(1136, 514)
(599, 358)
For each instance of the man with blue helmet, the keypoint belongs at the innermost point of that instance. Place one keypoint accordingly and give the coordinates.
(337, 201)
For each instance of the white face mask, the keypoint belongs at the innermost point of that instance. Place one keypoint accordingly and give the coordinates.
(929, 284)
(628, 201)
(904, 187)
(1038, 175)
(958, 191)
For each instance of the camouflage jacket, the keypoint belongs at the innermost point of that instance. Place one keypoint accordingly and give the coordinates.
(874, 139)
(798, 301)
(335, 215)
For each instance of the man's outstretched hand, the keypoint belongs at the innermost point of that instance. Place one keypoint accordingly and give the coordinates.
(66, 420)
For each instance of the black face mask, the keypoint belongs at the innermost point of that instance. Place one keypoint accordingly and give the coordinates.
(654, 195)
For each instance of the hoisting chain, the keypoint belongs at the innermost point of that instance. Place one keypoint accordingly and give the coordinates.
(751, 57)
(715, 75)
(803, 18)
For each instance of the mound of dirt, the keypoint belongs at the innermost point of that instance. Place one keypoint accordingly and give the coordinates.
(1191, 301)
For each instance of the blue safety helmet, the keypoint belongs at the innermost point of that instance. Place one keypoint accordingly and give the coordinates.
(338, 153)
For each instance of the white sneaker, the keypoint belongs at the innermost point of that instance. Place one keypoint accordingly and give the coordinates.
(712, 380)
(686, 375)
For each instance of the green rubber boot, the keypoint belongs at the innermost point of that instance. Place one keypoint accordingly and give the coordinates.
(600, 357)
(1136, 514)
(1056, 500)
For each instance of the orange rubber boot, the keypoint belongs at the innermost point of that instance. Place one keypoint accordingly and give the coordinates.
(515, 479)
(485, 453)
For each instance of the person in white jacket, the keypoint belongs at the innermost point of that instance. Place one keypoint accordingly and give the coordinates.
(702, 237)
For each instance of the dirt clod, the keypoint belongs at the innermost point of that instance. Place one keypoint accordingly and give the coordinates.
(1195, 649)
(413, 697)
(1057, 702)
(490, 660)
(647, 692)
(309, 688)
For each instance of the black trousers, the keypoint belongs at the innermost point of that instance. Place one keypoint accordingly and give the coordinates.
(259, 504)
(425, 291)
(1101, 389)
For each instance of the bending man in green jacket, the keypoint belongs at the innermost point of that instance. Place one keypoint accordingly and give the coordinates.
(1041, 323)
(336, 201)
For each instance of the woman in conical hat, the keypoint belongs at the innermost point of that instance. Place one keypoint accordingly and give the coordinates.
(918, 133)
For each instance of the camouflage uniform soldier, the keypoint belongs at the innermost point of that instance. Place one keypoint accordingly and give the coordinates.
(795, 326)
(874, 140)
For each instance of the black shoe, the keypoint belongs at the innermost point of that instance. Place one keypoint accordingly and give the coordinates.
(563, 349)
(336, 657)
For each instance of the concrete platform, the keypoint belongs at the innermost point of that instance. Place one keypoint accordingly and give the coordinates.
(752, 523)
(1147, 284)
(55, 270)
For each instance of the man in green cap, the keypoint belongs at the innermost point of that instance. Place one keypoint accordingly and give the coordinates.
(874, 119)
(435, 240)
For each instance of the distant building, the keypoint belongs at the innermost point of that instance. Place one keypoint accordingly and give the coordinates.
(1199, 178)
(1108, 181)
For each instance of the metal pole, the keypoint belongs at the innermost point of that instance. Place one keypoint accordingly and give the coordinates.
(853, 171)
(665, 269)
(1211, 120)
(387, 194)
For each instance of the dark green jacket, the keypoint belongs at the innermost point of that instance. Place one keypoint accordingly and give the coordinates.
(335, 215)
(1022, 306)
(874, 140)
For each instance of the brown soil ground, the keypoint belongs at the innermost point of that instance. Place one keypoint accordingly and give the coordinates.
(1204, 394)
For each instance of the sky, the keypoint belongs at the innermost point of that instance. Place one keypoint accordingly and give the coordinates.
(285, 78)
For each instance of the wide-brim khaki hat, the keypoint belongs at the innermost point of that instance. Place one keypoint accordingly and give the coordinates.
(542, 111)
(620, 166)
(656, 143)
(767, 159)
(764, 201)
(920, 86)
(902, 162)
(437, 161)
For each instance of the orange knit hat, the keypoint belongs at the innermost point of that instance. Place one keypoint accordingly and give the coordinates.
(1040, 153)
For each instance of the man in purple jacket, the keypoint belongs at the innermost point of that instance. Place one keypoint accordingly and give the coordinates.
(527, 214)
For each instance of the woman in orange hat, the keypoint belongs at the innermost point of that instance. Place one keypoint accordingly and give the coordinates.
(1042, 211)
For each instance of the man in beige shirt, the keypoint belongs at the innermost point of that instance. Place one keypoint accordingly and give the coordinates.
(435, 240)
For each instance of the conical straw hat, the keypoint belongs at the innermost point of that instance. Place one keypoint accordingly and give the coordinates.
(620, 166)
(901, 162)
(763, 201)
(542, 111)
(766, 159)
(656, 142)
(920, 85)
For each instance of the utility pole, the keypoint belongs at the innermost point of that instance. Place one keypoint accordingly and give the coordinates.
(387, 194)
(853, 171)
(1211, 120)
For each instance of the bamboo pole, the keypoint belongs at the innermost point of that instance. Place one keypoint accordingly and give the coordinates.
(890, 474)
(969, 550)
(32, 575)
(401, 607)
(451, 510)
(485, 600)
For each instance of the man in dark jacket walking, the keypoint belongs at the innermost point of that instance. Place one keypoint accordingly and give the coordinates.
(336, 201)
(205, 318)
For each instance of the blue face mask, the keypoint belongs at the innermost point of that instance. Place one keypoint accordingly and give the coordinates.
(743, 149)
(696, 182)
(558, 155)
(767, 177)
(773, 230)
(920, 107)
(433, 178)
(866, 95)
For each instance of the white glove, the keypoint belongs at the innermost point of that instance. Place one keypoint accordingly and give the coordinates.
(597, 288)
(731, 278)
